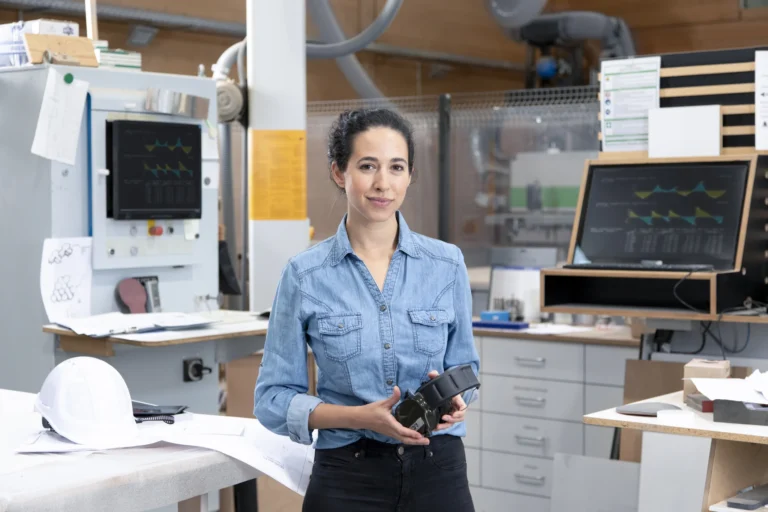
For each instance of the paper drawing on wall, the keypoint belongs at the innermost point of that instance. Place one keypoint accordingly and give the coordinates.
(65, 278)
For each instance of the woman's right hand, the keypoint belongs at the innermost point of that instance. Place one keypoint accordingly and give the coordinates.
(377, 416)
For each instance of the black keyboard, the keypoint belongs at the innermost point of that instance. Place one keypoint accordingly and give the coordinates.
(664, 267)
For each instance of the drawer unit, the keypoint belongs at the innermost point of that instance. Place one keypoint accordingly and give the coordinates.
(606, 365)
(489, 500)
(536, 398)
(472, 421)
(521, 358)
(516, 473)
(532, 402)
(473, 466)
(530, 436)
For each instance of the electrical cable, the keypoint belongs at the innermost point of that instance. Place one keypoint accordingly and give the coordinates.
(706, 327)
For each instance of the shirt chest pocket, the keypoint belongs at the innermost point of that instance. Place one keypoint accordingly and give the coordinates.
(341, 336)
(430, 329)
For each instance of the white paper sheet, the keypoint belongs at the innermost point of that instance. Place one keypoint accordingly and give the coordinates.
(628, 89)
(108, 324)
(670, 135)
(740, 390)
(61, 114)
(65, 278)
(276, 456)
(761, 100)
(210, 330)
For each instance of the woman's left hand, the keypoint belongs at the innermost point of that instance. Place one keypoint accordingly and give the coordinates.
(457, 412)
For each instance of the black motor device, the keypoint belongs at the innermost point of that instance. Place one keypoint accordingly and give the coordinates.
(422, 411)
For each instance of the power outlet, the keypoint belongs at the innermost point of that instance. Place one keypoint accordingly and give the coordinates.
(194, 369)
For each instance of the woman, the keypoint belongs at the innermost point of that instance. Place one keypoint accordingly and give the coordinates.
(384, 310)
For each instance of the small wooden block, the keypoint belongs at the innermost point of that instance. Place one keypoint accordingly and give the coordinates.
(87, 346)
(78, 49)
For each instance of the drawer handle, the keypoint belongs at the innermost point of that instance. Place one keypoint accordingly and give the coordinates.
(531, 402)
(531, 361)
(529, 440)
(529, 480)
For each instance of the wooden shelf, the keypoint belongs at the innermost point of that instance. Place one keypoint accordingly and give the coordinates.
(659, 313)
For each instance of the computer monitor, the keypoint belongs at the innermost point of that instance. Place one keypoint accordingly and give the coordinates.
(679, 213)
(155, 170)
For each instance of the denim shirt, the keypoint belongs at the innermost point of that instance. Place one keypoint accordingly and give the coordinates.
(365, 341)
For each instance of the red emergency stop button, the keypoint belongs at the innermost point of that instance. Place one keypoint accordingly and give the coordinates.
(156, 230)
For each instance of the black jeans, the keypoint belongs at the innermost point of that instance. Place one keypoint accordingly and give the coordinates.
(368, 476)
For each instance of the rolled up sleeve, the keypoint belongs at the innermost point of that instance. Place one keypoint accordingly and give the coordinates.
(461, 341)
(281, 402)
(298, 418)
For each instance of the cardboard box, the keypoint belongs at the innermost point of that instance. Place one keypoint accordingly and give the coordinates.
(12, 51)
(704, 368)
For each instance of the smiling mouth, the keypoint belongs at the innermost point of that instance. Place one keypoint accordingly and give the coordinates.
(380, 200)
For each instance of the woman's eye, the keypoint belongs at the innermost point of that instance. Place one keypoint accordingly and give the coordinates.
(366, 167)
(398, 168)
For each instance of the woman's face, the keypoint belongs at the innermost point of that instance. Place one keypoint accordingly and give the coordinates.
(376, 177)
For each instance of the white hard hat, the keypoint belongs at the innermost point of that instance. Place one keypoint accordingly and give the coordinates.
(86, 400)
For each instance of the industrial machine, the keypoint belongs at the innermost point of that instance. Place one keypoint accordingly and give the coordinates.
(141, 192)
(556, 42)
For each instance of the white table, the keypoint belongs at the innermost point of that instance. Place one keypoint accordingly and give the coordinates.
(124, 480)
(738, 455)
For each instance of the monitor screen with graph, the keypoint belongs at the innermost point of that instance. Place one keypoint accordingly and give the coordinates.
(155, 170)
(687, 213)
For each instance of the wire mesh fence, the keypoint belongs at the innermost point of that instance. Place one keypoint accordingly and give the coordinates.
(516, 160)
(326, 203)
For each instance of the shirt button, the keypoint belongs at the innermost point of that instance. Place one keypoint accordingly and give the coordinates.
(341, 326)
(389, 382)
(383, 307)
(432, 318)
(387, 346)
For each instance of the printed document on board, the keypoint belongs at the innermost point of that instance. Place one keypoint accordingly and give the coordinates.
(65, 278)
(61, 114)
(629, 88)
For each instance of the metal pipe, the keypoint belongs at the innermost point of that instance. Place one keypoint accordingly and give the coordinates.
(409, 53)
(228, 197)
(444, 168)
(329, 28)
(231, 29)
(449, 58)
(244, 231)
(223, 66)
(355, 44)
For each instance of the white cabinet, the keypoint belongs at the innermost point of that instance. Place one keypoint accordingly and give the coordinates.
(534, 395)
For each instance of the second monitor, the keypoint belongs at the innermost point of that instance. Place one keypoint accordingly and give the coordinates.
(662, 214)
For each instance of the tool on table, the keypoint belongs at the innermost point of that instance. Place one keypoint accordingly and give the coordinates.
(751, 499)
(732, 411)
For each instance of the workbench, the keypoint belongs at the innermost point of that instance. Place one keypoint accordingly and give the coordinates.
(544, 382)
(151, 364)
(738, 455)
(126, 480)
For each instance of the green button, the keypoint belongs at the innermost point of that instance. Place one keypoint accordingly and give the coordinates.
(68, 78)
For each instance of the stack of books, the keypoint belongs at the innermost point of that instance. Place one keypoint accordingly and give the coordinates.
(116, 58)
